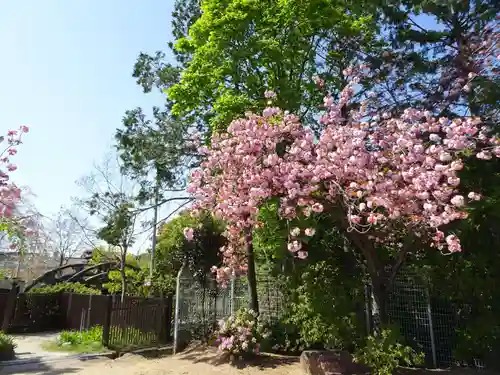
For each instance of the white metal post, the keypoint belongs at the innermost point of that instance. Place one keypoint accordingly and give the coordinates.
(233, 280)
(431, 329)
(177, 309)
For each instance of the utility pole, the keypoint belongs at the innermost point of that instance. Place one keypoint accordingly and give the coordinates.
(155, 219)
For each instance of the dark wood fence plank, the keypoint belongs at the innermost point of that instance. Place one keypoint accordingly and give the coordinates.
(37, 313)
(136, 322)
(140, 323)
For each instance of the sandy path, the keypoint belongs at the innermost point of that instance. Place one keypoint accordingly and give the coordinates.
(30, 346)
(196, 362)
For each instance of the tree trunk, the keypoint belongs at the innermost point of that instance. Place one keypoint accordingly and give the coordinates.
(19, 263)
(380, 295)
(251, 275)
(381, 281)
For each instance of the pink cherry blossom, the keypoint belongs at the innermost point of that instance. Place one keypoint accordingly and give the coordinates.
(10, 194)
(474, 196)
(381, 175)
(317, 207)
(302, 254)
(458, 200)
(189, 234)
(294, 246)
(269, 94)
(310, 232)
(453, 243)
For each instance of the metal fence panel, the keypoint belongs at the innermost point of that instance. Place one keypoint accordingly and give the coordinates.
(200, 305)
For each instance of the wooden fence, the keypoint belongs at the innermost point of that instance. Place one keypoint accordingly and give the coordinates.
(137, 322)
(3, 305)
(83, 311)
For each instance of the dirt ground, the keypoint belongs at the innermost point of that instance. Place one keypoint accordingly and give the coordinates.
(30, 346)
(197, 361)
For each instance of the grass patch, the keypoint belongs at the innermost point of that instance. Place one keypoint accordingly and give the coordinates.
(92, 347)
(88, 341)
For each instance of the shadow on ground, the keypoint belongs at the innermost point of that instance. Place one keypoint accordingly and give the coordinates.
(209, 355)
(146, 353)
(41, 366)
(452, 371)
(37, 366)
(201, 353)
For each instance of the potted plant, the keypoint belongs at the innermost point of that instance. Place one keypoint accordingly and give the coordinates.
(7, 347)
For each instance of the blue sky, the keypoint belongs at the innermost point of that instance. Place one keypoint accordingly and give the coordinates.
(66, 72)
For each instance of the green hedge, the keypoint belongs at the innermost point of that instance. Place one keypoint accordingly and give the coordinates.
(65, 288)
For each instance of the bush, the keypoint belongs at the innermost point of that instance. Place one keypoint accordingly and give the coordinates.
(284, 338)
(65, 288)
(7, 346)
(91, 339)
(324, 293)
(334, 324)
(383, 353)
(240, 335)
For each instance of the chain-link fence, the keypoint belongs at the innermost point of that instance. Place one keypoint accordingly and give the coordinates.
(428, 322)
(409, 308)
(202, 302)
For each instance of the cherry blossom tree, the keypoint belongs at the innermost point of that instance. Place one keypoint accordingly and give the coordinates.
(10, 194)
(389, 182)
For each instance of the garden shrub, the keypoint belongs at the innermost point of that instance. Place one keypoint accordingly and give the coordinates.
(383, 353)
(241, 334)
(65, 288)
(284, 338)
(324, 293)
(326, 306)
(7, 346)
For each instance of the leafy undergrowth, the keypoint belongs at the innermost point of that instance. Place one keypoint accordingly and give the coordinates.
(88, 341)
(92, 347)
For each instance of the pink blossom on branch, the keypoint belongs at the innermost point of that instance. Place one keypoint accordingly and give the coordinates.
(386, 170)
(189, 234)
(10, 194)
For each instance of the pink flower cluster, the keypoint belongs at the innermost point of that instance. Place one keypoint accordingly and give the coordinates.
(240, 334)
(374, 168)
(189, 234)
(10, 194)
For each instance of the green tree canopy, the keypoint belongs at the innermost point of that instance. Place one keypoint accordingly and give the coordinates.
(200, 254)
(240, 48)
